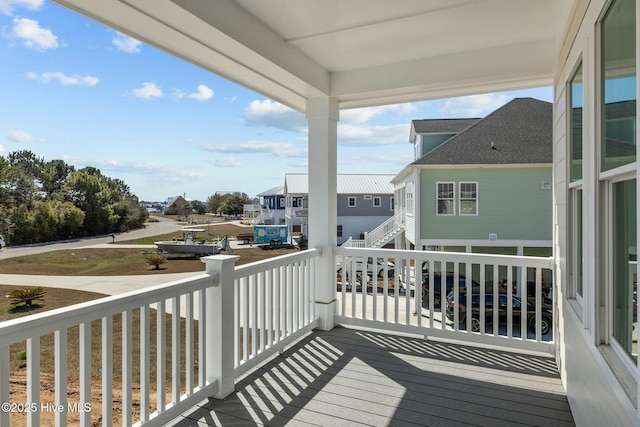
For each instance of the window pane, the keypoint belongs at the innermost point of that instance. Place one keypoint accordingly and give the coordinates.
(576, 125)
(578, 242)
(467, 207)
(619, 85)
(445, 207)
(624, 264)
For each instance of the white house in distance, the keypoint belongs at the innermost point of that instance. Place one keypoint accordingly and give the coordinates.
(474, 182)
(364, 201)
(345, 54)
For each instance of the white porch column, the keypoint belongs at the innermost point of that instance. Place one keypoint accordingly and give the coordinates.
(322, 116)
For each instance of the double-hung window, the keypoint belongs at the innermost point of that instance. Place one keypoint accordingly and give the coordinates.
(617, 175)
(445, 198)
(468, 198)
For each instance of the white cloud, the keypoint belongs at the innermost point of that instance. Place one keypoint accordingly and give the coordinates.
(147, 91)
(22, 136)
(276, 149)
(63, 79)
(126, 43)
(373, 135)
(1, 149)
(363, 115)
(33, 35)
(204, 93)
(225, 162)
(7, 6)
(473, 106)
(273, 114)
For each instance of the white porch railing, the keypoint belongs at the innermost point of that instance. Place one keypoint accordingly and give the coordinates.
(385, 231)
(222, 323)
(293, 212)
(391, 298)
(227, 320)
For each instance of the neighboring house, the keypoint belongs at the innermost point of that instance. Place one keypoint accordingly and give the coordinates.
(475, 182)
(177, 205)
(364, 202)
(272, 203)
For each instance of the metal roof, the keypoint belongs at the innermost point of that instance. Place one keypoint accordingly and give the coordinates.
(347, 184)
(278, 190)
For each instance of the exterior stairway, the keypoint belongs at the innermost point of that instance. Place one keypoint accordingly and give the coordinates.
(381, 235)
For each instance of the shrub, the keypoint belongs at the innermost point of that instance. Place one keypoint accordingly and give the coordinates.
(25, 297)
(156, 260)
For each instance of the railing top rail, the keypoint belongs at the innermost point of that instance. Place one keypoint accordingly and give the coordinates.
(256, 267)
(507, 260)
(65, 317)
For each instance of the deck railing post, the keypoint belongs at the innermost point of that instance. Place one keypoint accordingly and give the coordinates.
(220, 306)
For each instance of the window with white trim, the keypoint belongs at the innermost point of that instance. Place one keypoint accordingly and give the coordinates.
(351, 201)
(445, 198)
(468, 198)
(408, 196)
(377, 201)
(617, 176)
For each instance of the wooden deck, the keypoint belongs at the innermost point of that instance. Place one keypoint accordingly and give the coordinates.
(348, 377)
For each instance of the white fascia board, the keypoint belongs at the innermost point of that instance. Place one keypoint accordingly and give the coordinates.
(487, 166)
(519, 66)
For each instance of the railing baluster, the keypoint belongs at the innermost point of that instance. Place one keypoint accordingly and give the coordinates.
(107, 369)
(4, 382)
(127, 368)
(175, 350)
(483, 298)
(254, 314)
(277, 312)
(524, 294)
(269, 295)
(33, 380)
(188, 343)
(85, 372)
(496, 301)
(161, 356)
(290, 300)
(295, 297)
(60, 360)
(263, 309)
(246, 307)
(145, 328)
(509, 302)
(202, 334)
(538, 301)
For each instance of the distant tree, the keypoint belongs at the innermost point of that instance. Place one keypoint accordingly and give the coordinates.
(198, 207)
(214, 203)
(235, 205)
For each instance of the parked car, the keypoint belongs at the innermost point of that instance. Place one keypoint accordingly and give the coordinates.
(2, 242)
(546, 321)
(378, 267)
(437, 287)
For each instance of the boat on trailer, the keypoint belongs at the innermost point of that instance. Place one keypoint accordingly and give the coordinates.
(190, 244)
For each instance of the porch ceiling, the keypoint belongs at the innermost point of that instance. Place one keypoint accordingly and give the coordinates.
(364, 52)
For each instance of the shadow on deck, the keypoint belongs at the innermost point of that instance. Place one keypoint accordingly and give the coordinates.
(354, 377)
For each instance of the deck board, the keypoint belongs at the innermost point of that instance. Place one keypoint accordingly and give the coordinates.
(348, 377)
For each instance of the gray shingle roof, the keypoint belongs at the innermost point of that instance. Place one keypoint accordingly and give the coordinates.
(521, 131)
(441, 125)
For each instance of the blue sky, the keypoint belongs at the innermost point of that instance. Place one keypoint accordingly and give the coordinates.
(73, 89)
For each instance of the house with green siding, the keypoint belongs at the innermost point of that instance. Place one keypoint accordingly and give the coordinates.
(480, 185)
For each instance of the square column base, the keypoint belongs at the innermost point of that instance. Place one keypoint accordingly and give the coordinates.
(326, 312)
